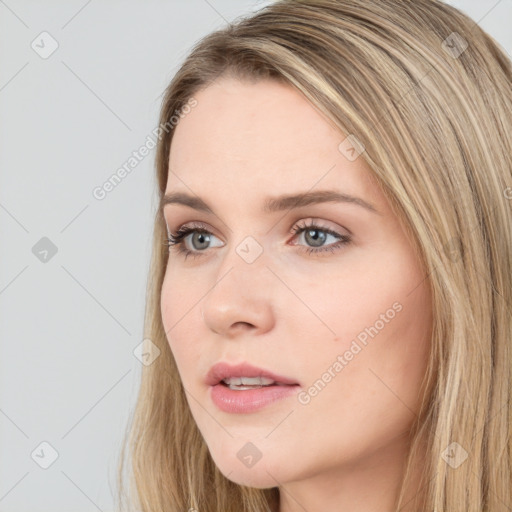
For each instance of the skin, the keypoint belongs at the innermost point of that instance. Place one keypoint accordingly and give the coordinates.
(290, 311)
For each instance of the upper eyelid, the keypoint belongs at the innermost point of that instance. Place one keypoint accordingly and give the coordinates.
(301, 223)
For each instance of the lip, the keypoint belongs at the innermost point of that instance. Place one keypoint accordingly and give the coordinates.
(223, 370)
(247, 400)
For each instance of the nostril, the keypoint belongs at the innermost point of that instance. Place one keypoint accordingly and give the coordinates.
(242, 325)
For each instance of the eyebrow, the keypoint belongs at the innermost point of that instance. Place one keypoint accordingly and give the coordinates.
(275, 204)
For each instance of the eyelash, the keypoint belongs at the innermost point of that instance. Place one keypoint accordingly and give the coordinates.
(175, 241)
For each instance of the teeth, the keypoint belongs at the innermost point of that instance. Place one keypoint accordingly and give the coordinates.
(236, 382)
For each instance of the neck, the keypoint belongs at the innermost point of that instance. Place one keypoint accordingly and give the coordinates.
(371, 484)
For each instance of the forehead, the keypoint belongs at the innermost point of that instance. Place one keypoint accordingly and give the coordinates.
(252, 135)
(250, 113)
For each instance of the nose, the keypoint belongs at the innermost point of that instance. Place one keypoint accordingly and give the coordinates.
(240, 301)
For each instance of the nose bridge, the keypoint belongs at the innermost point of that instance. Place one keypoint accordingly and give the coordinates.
(240, 293)
(243, 268)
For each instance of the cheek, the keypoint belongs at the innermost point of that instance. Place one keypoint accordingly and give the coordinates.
(180, 317)
(179, 299)
(375, 391)
(407, 346)
(359, 298)
(379, 314)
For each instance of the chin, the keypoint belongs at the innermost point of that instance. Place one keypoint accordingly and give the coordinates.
(260, 475)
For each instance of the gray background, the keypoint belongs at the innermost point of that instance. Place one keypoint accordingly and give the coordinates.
(70, 321)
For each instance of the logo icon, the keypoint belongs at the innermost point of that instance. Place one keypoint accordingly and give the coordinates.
(146, 352)
(454, 455)
(454, 45)
(44, 45)
(44, 455)
(351, 148)
(44, 250)
(249, 249)
(249, 454)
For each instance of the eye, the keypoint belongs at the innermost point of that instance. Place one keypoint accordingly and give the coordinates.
(314, 234)
(177, 241)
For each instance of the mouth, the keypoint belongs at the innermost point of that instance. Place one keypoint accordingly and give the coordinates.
(245, 388)
(243, 383)
(245, 374)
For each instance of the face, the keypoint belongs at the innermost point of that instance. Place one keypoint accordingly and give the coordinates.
(328, 294)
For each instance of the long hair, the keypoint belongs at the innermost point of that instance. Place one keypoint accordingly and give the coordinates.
(428, 94)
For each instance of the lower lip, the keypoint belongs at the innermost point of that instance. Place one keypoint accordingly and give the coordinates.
(249, 400)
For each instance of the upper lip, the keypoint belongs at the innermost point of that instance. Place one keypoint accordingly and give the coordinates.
(223, 370)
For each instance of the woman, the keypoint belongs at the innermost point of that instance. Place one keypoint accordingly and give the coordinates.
(332, 303)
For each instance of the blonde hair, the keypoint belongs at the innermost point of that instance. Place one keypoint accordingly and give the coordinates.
(428, 94)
